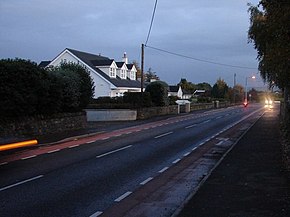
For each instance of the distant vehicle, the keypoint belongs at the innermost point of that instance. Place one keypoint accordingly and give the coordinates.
(246, 103)
(268, 103)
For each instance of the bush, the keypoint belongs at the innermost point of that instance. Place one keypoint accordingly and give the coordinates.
(26, 89)
(159, 93)
(136, 99)
(20, 87)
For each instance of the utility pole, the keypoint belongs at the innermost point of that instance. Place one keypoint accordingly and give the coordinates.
(142, 68)
(234, 88)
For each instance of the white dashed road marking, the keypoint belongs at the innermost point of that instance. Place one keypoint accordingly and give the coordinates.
(122, 197)
(20, 183)
(111, 152)
(146, 181)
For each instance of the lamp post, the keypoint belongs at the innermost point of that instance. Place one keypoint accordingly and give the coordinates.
(246, 91)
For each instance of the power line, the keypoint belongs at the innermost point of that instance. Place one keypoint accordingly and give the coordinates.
(199, 60)
(152, 19)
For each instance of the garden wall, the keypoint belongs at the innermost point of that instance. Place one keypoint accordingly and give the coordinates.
(145, 113)
(40, 124)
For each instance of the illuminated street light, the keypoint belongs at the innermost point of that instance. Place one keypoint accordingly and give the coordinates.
(246, 91)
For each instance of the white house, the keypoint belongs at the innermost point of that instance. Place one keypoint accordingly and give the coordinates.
(110, 78)
(175, 91)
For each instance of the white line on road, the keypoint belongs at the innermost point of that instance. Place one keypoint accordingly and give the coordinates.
(25, 158)
(146, 181)
(56, 150)
(165, 134)
(4, 163)
(163, 170)
(20, 183)
(111, 152)
(194, 125)
(221, 142)
(96, 214)
(89, 142)
(73, 146)
(105, 138)
(205, 121)
(176, 161)
(186, 154)
(200, 143)
(194, 148)
(123, 196)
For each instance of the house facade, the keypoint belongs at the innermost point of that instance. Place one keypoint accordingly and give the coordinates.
(175, 91)
(110, 78)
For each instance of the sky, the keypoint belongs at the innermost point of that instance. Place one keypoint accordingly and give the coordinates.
(210, 30)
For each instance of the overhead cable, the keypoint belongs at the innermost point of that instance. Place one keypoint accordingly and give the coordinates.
(198, 59)
(152, 19)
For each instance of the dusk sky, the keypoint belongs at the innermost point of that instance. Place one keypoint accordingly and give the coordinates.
(209, 30)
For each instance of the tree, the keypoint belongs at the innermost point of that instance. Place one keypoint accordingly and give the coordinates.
(270, 32)
(237, 93)
(220, 89)
(187, 86)
(150, 75)
(158, 92)
(20, 87)
(85, 82)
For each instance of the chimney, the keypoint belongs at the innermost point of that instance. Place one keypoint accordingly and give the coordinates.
(125, 58)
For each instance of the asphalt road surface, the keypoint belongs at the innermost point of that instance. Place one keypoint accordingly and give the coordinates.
(86, 179)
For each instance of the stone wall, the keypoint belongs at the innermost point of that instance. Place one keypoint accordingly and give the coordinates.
(41, 125)
(145, 113)
(111, 115)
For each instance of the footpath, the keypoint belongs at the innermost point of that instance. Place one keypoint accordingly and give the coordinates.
(249, 182)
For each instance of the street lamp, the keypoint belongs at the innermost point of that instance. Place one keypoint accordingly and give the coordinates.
(246, 91)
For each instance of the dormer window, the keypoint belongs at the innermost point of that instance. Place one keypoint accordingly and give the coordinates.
(123, 74)
(112, 72)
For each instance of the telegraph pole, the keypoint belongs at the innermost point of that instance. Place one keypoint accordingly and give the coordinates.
(142, 68)
(234, 88)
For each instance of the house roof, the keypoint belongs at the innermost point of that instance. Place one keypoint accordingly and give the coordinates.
(130, 66)
(102, 62)
(173, 88)
(93, 60)
(43, 64)
(118, 82)
(120, 64)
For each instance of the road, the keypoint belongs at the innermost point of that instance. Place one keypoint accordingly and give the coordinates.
(86, 179)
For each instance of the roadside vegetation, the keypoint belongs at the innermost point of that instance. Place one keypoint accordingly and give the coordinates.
(26, 89)
(270, 33)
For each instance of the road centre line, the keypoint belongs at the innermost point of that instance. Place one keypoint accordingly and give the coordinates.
(96, 214)
(163, 170)
(190, 126)
(111, 152)
(165, 134)
(25, 158)
(205, 121)
(123, 196)
(20, 183)
(186, 154)
(146, 181)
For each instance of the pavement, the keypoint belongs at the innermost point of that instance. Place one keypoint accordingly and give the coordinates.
(250, 181)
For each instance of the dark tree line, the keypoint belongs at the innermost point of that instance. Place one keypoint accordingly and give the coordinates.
(26, 89)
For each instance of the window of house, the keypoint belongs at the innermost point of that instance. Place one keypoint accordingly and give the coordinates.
(112, 72)
(123, 73)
